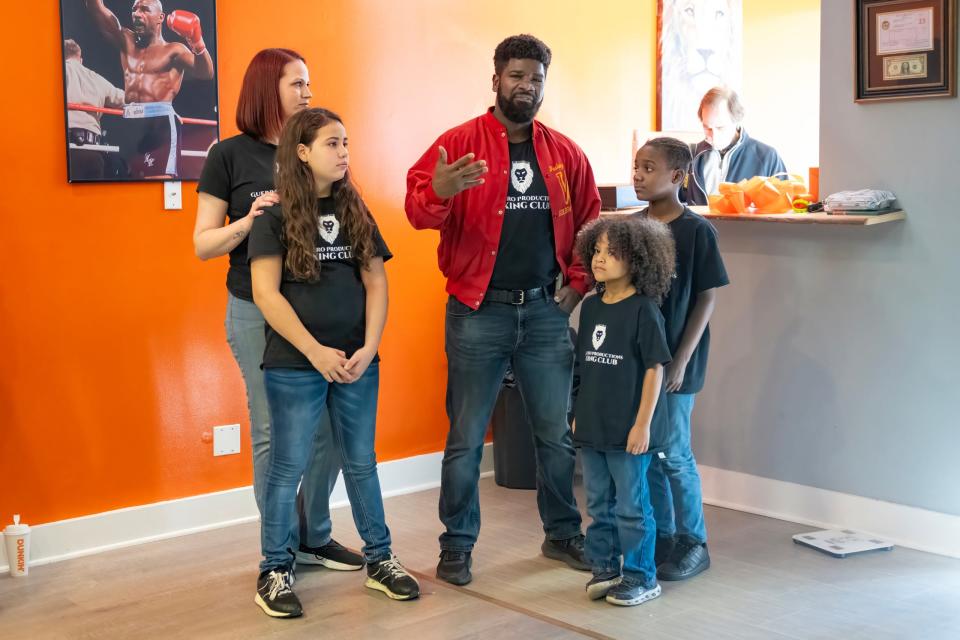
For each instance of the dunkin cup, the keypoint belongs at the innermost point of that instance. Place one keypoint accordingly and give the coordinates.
(16, 537)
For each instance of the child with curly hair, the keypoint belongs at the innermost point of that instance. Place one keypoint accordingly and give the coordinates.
(622, 347)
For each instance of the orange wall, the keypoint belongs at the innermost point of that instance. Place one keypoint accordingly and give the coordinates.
(112, 332)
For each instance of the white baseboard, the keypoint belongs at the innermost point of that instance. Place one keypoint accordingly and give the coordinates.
(906, 526)
(86, 535)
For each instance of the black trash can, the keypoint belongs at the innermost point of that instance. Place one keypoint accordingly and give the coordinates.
(514, 455)
(514, 459)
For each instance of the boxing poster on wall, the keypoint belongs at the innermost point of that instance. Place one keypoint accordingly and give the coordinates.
(699, 48)
(140, 88)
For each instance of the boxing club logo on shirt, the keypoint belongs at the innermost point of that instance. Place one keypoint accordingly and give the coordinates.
(521, 175)
(598, 335)
(329, 228)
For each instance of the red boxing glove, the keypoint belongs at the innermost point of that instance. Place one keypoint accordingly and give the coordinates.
(187, 26)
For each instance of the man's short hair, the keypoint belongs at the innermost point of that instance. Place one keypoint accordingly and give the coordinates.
(521, 47)
(70, 49)
(726, 95)
(676, 152)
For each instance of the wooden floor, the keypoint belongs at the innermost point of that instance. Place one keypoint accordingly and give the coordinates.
(761, 586)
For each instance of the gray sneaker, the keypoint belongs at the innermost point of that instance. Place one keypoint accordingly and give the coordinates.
(631, 592)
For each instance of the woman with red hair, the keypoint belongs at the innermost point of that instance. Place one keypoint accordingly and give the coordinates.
(236, 184)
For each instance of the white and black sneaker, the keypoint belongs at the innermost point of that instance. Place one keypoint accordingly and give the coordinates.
(632, 592)
(598, 587)
(390, 577)
(275, 596)
(332, 555)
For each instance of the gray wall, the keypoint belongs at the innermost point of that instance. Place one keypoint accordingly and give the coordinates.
(835, 353)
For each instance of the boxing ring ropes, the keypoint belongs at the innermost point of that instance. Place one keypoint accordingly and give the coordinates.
(75, 106)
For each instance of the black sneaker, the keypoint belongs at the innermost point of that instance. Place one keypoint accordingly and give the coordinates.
(390, 577)
(454, 567)
(600, 584)
(332, 555)
(631, 592)
(688, 560)
(569, 550)
(275, 596)
(664, 550)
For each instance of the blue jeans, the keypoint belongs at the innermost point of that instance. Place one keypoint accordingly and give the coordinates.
(297, 400)
(674, 480)
(534, 339)
(245, 334)
(618, 500)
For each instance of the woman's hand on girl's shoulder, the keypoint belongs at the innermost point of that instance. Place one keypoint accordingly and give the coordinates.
(330, 363)
(359, 362)
(262, 202)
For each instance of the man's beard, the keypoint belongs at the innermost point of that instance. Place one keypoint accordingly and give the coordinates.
(517, 113)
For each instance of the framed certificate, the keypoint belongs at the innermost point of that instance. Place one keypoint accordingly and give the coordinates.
(905, 49)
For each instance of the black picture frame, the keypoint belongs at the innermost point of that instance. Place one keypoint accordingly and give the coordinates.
(165, 131)
(905, 49)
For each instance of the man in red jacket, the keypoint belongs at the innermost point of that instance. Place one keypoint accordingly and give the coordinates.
(508, 196)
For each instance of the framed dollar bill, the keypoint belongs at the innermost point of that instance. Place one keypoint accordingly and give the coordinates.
(905, 49)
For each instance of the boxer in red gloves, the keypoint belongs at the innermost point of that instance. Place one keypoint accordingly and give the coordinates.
(153, 71)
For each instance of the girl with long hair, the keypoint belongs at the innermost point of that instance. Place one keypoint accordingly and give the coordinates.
(318, 277)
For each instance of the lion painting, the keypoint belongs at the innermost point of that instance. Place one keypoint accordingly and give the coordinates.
(700, 48)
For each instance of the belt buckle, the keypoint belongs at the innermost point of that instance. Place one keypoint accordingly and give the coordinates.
(523, 295)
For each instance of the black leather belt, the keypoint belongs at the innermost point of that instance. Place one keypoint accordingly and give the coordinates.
(517, 296)
(79, 136)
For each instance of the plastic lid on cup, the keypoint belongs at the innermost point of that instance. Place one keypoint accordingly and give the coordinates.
(16, 529)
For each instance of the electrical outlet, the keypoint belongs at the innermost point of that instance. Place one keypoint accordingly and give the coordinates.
(226, 440)
(173, 195)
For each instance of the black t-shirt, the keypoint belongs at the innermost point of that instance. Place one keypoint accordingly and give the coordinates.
(699, 267)
(333, 309)
(238, 170)
(526, 258)
(616, 345)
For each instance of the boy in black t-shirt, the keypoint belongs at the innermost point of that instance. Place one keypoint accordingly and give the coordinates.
(622, 348)
(675, 491)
